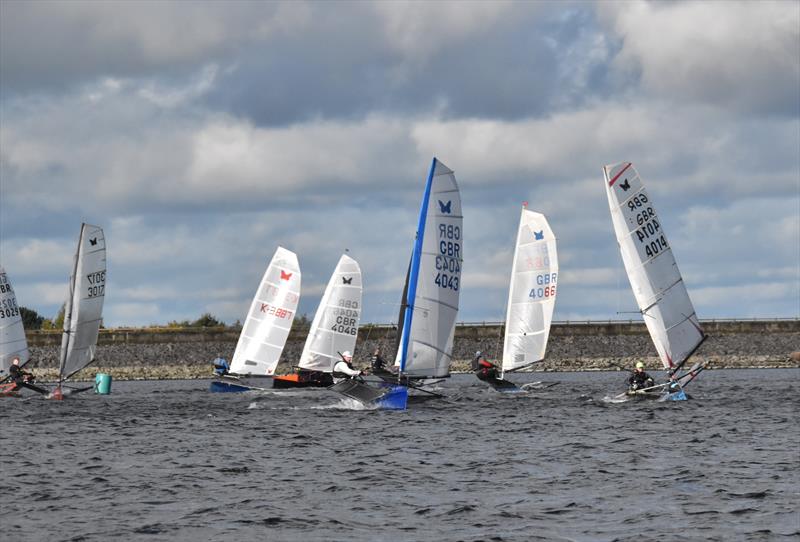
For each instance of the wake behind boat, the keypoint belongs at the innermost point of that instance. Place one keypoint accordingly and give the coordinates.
(266, 328)
(655, 279)
(430, 298)
(531, 300)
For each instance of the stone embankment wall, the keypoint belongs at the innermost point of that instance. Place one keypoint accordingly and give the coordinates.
(187, 353)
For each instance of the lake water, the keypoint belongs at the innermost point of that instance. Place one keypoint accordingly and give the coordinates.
(169, 461)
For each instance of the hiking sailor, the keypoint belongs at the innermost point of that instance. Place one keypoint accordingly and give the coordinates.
(639, 379)
(19, 375)
(483, 369)
(221, 366)
(344, 368)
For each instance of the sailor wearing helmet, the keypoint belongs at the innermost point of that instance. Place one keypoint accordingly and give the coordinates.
(639, 379)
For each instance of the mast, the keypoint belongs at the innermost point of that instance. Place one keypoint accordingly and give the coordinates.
(402, 315)
(413, 277)
(67, 333)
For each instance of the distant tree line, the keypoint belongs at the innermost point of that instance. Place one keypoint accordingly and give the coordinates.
(33, 320)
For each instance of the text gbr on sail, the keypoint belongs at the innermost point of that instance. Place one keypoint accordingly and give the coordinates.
(447, 259)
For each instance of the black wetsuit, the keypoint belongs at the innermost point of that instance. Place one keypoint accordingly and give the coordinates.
(640, 380)
(18, 376)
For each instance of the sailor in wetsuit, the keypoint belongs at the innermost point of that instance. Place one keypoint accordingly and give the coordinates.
(639, 379)
(344, 368)
(19, 375)
(483, 369)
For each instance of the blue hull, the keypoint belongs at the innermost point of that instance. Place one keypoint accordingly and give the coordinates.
(676, 396)
(396, 399)
(218, 386)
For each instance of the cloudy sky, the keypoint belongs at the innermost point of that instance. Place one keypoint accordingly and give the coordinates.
(203, 135)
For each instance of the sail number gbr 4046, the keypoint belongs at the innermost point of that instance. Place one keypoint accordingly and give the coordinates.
(346, 317)
(448, 267)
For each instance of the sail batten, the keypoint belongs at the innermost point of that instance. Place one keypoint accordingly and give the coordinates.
(335, 326)
(269, 318)
(531, 293)
(431, 294)
(655, 279)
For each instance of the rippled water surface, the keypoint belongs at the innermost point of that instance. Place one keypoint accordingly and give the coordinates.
(170, 461)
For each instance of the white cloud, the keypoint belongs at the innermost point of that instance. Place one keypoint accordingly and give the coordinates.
(51, 40)
(742, 54)
(416, 29)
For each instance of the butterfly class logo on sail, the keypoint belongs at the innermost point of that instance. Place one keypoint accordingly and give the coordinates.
(271, 292)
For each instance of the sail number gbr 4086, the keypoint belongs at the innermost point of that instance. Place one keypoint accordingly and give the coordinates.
(448, 267)
(648, 232)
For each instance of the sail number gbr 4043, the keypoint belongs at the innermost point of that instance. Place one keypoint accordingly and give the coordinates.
(448, 266)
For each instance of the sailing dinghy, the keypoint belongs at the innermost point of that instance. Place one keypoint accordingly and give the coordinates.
(334, 329)
(430, 297)
(13, 344)
(266, 328)
(531, 299)
(83, 309)
(655, 279)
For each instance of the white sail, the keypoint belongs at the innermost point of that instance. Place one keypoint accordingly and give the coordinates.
(12, 335)
(335, 325)
(270, 317)
(84, 308)
(531, 293)
(654, 276)
(434, 281)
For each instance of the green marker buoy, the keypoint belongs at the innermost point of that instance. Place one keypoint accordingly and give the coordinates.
(102, 384)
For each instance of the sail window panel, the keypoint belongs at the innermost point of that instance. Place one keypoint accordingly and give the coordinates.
(323, 350)
(672, 308)
(524, 350)
(265, 357)
(656, 277)
(683, 338)
(526, 318)
(423, 360)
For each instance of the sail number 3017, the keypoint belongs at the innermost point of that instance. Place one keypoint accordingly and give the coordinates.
(97, 283)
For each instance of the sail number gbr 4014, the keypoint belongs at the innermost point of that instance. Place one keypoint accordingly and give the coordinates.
(448, 267)
(648, 232)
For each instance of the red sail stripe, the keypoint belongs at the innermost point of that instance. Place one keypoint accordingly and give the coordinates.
(612, 181)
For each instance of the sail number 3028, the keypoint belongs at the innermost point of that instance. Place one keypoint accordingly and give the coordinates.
(97, 283)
